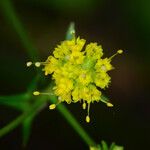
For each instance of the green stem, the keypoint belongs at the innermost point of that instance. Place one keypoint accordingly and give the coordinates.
(12, 18)
(40, 102)
(12, 125)
(15, 123)
(73, 122)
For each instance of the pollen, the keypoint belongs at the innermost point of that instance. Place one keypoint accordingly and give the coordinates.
(79, 71)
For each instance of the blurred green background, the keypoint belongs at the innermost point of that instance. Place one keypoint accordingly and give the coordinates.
(113, 24)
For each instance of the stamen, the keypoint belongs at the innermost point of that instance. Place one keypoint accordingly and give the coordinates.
(109, 104)
(47, 93)
(87, 119)
(84, 105)
(38, 64)
(118, 52)
(36, 93)
(88, 116)
(53, 106)
(29, 63)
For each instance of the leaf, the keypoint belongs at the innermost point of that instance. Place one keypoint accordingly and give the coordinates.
(39, 104)
(104, 145)
(26, 128)
(104, 99)
(112, 146)
(118, 148)
(97, 147)
(70, 30)
(19, 101)
(12, 125)
(31, 112)
(115, 147)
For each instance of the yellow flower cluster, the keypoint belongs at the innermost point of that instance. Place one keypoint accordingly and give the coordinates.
(79, 72)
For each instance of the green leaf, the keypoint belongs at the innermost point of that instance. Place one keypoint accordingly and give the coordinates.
(104, 99)
(115, 147)
(112, 146)
(104, 145)
(97, 147)
(12, 125)
(36, 107)
(118, 148)
(71, 29)
(19, 101)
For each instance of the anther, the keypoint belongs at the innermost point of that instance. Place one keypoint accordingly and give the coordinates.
(36, 93)
(87, 119)
(29, 63)
(84, 105)
(120, 51)
(52, 106)
(37, 64)
(88, 112)
(109, 104)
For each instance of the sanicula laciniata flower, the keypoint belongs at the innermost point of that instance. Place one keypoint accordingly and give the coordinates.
(79, 72)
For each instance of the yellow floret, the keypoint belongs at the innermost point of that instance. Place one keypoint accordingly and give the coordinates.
(102, 80)
(94, 51)
(84, 77)
(76, 57)
(103, 65)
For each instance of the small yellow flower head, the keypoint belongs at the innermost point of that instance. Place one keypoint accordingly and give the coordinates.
(79, 72)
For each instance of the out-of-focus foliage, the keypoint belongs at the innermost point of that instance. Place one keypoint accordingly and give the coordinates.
(104, 146)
